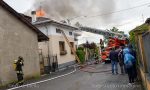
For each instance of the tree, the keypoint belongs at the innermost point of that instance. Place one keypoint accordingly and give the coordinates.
(116, 30)
(93, 46)
(77, 24)
(122, 32)
(86, 45)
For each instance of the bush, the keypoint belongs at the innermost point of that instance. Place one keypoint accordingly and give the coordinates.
(141, 28)
(80, 48)
(81, 55)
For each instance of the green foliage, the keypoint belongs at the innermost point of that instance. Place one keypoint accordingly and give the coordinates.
(80, 48)
(81, 55)
(141, 28)
(114, 29)
(90, 45)
(132, 37)
(122, 32)
(97, 51)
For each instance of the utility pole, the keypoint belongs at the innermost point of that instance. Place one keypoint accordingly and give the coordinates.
(49, 62)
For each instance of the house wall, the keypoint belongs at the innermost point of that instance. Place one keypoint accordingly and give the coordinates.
(55, 48)
(53, 44)
(142, 67)
(145, 79)
(16, 39)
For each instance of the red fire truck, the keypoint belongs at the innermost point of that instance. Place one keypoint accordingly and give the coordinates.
(112, 42)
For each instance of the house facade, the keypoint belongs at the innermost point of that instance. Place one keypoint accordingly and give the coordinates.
(57, 45)
(142, 44)
(18, 37)
(143, 51)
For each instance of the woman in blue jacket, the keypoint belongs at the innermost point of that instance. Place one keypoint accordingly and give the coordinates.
(129, 60)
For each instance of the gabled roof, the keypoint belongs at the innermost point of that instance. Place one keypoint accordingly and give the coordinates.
(44, 20)
(41, 36)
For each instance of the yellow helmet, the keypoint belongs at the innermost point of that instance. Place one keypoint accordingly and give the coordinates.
(15, 61)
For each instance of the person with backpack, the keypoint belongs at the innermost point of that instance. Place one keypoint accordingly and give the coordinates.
(133, 53)
(128, 61)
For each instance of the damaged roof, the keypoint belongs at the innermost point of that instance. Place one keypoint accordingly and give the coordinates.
(43, 20)
(41, 36)
(60, 24)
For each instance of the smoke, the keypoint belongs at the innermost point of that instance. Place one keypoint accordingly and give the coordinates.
(61, 9)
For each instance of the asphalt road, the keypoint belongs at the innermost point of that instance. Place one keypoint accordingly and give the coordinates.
(81, 80)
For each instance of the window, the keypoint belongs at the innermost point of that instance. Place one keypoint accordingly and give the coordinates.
(62, 48)
(70, 33)
(72, 44)
(58, 30)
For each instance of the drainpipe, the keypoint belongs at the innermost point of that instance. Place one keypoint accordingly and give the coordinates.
(49, 62)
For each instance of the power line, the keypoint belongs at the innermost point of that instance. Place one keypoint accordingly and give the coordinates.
(125, 24)
(120, 10)
(111, 12)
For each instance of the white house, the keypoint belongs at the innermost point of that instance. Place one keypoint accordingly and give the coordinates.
(57, 44)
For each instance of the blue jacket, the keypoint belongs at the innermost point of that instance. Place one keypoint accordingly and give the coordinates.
(127, 56)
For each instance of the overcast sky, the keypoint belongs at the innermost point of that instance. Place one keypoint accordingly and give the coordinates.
(125, 20)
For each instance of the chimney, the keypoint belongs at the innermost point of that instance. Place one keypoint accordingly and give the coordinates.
(33, 14)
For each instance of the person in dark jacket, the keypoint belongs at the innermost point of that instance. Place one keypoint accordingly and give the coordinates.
(121, 60)
(133, 53)
(19, 71)
(113, 56)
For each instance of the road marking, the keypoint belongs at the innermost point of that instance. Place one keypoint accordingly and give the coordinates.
(27, 85)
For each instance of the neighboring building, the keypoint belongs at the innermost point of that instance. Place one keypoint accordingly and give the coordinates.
(18, 37)
(142, 44)
(57, 45)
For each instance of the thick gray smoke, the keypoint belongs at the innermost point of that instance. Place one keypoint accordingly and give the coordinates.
(61, 9)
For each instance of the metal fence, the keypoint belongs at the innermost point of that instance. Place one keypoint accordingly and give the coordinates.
(146, 43)
(48, 64)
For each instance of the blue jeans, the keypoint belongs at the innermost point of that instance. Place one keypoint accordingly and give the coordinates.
(114, 67)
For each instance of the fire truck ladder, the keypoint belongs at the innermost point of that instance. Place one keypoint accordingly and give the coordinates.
(105, 33)
(71, 47)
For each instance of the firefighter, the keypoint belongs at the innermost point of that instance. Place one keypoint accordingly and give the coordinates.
(18, 68)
